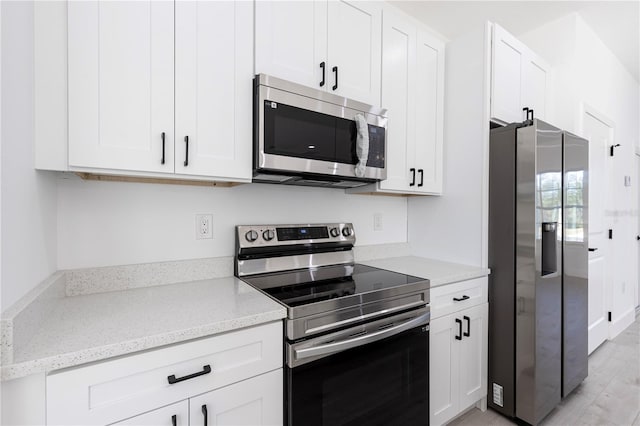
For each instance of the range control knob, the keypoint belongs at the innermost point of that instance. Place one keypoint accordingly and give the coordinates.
(346, 231)
(335, 232)
(268, 235)
(251, 236)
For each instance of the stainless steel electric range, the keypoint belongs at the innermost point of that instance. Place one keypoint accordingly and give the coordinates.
(356, 337)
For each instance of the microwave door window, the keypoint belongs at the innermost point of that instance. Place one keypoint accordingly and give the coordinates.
(296, 132)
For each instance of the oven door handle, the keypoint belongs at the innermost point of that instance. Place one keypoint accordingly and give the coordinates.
(364, 339)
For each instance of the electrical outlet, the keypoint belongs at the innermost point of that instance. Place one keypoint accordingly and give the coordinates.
(627, 181)
(377, 222)
(204, 226)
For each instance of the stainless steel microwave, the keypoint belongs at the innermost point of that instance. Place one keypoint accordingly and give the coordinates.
(304, 136)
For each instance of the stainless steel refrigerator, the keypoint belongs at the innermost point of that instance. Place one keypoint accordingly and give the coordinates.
(538, 255)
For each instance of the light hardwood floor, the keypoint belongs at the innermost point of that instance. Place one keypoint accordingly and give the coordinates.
(610, 395)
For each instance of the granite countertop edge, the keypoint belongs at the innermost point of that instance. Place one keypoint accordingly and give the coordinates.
(129, 347)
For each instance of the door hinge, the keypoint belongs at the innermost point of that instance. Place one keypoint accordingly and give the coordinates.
(611, 234)
(609, 316)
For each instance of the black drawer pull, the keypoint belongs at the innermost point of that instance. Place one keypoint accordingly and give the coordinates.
(460, 299)
(205, 414)
(322, 65)
(186, 154)
(174, 420)
(459, 335)
(205, 370)
(468, 320)
(593, 249)
(162, 161)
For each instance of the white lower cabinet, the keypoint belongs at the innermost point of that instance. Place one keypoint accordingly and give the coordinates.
(251, 402)
(172, 415)
(237, 375)
(458, 352)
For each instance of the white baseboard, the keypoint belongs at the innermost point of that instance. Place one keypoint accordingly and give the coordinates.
(619, 324)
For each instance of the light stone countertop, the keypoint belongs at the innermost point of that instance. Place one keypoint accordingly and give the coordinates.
(436, 271)
(95, 327)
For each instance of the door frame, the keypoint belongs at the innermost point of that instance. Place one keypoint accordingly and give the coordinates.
(637, 194)
(597, 115)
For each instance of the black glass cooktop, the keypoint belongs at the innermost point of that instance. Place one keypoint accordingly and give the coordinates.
(305, 286)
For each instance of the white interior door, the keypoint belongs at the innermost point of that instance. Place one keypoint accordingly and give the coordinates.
(600, 136)
(638, 228)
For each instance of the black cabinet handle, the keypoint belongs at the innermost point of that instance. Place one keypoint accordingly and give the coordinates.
(205, 370)
(186, 155)
(413, 176)
(162, 161)
(421, 177)
(638, 237)
(594, 249)
(460, 299)
(205, 414)
(468, 320)
(322, 65)
(335, 70)
(174, 420)
(459, 335)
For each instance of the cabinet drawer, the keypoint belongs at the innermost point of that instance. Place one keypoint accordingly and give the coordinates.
(110, 391)
(469, 293)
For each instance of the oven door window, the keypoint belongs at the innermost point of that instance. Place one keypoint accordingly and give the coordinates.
(383, 383)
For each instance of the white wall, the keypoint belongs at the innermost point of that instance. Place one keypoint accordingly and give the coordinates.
(28, 197)
(586, 72)
(111, 223)
(452, 227)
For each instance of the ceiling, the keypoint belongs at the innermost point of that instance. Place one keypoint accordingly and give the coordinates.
(617, 23)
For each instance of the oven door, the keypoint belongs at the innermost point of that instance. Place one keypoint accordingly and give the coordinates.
(374, 374)
(305, 135)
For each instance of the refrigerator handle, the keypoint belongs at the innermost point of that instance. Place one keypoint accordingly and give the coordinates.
(549, 254)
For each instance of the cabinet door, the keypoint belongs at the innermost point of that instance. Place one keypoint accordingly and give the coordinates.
(506, 81)
(443, 370)
(255, 401)
(354, 46)
(429, 114)
(473, 355)
(291, 41)
(535, 84)
(213, 89)
(398, 96)
(171, 415)
(121, 85)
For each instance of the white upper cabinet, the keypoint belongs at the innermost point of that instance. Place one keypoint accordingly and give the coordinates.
(413, 94)
(124, 98)
(329, 45)
(519, 79)
(354, 30)
(213, 88)
(121, 85)
(291, 40)
(429, 114)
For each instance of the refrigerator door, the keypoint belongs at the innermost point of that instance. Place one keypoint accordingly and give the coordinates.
(575, 262)
(539, 193)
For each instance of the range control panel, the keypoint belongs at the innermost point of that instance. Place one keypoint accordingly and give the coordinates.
(280, 235)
